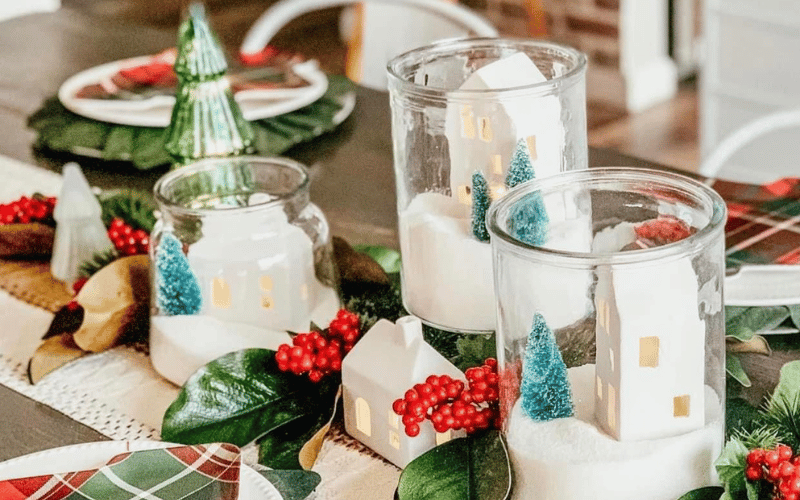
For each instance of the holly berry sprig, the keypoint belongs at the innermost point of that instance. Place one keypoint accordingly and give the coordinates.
(448, 404)
(26, 210)
(778, 466)
(126, 240)
(320, 353)
(662, 230)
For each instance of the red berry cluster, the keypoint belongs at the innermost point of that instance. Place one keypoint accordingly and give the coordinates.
(318, 353)
(778, 466)
(662, 230)
(26, 210)
(126, 240)
(449, 405)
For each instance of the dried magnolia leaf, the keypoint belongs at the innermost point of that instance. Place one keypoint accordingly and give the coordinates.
(26, 240)
(111, 299)
(356, 266)
(52, 354)
(757, 344)
(310, 451)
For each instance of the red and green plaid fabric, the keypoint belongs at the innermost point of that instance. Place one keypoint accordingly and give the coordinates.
(201, 472)
(763, 222)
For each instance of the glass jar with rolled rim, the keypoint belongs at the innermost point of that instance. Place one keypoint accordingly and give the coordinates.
(610, 337)
(239, 257)
(471, 118)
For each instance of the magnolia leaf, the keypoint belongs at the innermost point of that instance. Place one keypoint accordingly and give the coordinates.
(475, 467)
(473, 350)
(733, 365)
(293, 484)
(297, 444)
(310, 451)
(794, 314)
(757, 344)
(26, 240)
(51, 355)
(707, 493)
(731, 465)
(742, 323)
(387, 258)
(241, 397)
(788, 388)
(356, 266)
(112, 299)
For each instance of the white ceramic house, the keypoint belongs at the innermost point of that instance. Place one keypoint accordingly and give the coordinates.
(259, 271)
(388, 360)
(650, 371)
(483, 135)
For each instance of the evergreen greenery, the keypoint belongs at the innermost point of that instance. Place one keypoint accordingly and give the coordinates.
(134, 207)
(520, 169)
(177, 290)
(97, 262)
(480, 205)
(545, 389)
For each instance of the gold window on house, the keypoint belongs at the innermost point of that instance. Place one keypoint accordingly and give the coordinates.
(611, 405)
(363, 423)
(680, 406)
(265, 283)
(648, 352)
(394, 440)
(220, 293)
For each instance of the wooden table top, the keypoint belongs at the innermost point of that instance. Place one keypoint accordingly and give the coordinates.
(351, 168)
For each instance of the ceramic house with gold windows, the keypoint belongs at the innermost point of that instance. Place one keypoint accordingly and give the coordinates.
(260, 272)
(482, 135)
(388, 360)
(650, 368)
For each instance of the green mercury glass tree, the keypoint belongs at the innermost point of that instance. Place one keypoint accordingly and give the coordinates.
(206, 121)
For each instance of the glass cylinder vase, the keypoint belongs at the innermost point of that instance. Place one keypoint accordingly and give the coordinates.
(470, 119)
(240, 256)
(610, 339)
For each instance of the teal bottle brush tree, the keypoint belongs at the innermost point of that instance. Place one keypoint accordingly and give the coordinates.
(545, 392)
(206, 121)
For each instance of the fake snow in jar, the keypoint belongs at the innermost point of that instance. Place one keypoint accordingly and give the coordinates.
(240, 257)
(471, 119)
(627, 401)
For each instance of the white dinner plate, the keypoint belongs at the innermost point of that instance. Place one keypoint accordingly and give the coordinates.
(256, 104)
(252, 485)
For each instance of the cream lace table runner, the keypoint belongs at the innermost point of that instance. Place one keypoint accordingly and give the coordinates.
(118, 393)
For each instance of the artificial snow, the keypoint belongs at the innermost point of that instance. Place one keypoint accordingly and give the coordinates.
(571, 459)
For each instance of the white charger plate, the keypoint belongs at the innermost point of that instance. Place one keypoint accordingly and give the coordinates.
(256, 104)
(252, 485)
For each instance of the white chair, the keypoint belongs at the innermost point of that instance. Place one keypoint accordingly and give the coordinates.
(376, 53)
(770, 162)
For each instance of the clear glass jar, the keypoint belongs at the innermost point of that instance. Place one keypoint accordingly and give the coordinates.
(605, 311)
(240, 256)
(461, 111)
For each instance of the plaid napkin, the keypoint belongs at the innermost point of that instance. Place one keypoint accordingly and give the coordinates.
(763, 222)
(201, 472)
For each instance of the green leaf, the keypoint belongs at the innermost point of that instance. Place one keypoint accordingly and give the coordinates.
(240, 397)
(387, 258)
(731, 465)
(788, 384)
(783, 409)
(744, 322)
(293, 484)
(794, 314)
(280, 449)
(707, 493)
(462, 469)
(733, 365)
(473, 350)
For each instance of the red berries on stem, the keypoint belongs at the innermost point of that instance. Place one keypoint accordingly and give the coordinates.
(320, 353)
(26, 210)
(778, 466)
(126, 240)
(449, 404)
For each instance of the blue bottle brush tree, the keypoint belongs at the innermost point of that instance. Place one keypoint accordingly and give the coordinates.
(480, 205)
(545, 390)
(177, 289)
(521, 167)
